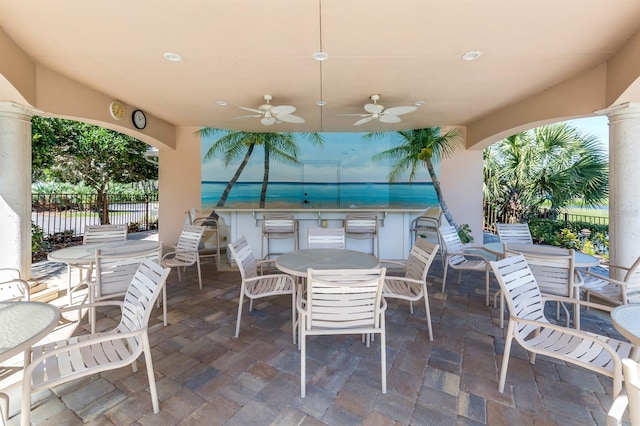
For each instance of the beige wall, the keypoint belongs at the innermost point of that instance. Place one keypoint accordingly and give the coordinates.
(179, 181)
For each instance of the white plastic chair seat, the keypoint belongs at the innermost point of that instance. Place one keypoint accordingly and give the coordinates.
(614, 291)
(256, 286)
(413, 285)
(346, 301)
(65, 360)
(186, 252)
(531, 329)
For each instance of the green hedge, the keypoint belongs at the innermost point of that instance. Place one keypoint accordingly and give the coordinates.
(586, 237)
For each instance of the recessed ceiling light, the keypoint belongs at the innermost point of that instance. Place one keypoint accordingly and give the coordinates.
(173, 57)
(320, 56)
(321, 103)
(472, 55)
(221, 103)
(419, 103)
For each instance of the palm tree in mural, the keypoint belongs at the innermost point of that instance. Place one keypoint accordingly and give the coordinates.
(553, 165)
(281, 147)
(421, 147)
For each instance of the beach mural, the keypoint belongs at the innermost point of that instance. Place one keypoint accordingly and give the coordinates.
(340, 173)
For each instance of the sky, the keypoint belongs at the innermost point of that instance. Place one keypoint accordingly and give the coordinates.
(351, 155)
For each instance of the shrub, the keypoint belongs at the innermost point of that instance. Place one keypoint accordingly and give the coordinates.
(586, 237)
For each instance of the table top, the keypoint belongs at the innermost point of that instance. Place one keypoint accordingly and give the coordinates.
(297, 262)
(23, 324)
(626, 319)
(582, 260)
(86, 253)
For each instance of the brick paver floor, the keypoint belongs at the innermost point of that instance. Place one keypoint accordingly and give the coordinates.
(207, 377)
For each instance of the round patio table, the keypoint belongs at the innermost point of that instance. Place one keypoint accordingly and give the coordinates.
(626, 319)
(23, 324)
(582, 260)
(297, 262)
(86, 254)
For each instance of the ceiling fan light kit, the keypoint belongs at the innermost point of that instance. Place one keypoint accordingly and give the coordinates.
(376, 111)
(272, 114)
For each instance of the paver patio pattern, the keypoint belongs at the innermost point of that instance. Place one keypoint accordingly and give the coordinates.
(207, 377)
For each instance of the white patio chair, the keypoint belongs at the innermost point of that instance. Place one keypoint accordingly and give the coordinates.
(59, 362)
(211, 234)
(462, 257)
(514, 233)
(427, 224)
(326, 238)
(114, 272)
(186, 252)
(363, 226)
(412, 285)
(556, 276)
(611, 290)
(95, 234)
(531, 329)
(278, 226)
(629, 397)
(12, 286)
(255, 286)
(345, 301)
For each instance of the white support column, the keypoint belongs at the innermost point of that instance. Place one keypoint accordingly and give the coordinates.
(624, 177)
(15, 187)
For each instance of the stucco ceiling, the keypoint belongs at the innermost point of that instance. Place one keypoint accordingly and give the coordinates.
(239, 50)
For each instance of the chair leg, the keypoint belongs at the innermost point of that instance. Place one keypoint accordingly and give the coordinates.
(303, 361)
(444, 279)
(505, 357)
(486, 279)
(179, 276)
(199, 273)
(4, 407)
(428, 311)
(152, 378)
(383, 357)
(293, 313)
(239, 311)
(164, 303)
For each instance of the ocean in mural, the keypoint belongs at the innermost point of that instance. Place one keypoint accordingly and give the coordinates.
(322, 195)
(340, 173)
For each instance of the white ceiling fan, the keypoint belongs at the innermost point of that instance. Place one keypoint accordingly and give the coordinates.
(377, 111)
(272, 114)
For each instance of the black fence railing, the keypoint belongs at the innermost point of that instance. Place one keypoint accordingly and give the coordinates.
(66, 215)
(491, 216)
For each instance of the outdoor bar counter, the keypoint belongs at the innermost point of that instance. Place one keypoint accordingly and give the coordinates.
(393, 227)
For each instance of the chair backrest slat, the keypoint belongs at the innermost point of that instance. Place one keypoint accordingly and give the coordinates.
(326, 238)
(420, 258)
(246, 261)
(278, 223)
(554, 273)
(517, 233)
(520, 289)
(345, 298)
(361, 223)
(451, 240)
(104, 233)
(188, 243)
(632, 278)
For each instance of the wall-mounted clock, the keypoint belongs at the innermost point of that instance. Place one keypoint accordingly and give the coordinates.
(139, 119)
(117, 110)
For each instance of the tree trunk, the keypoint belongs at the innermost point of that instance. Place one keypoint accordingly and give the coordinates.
(438, 189)
(265, 177)
(245, 160)
(103, 207)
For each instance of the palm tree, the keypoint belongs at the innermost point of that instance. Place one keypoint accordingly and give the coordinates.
(554, 164)
(421, 147)
(281, 147)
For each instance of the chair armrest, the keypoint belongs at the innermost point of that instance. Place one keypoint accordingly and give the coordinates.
(261, 277)
(405, 279)
(266, 262)
(564, 299)
(24, 287)
(392, 262)
(604, 278)
(624, 268)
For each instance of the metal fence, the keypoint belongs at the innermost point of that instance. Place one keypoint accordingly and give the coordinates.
(67, 214)
(491, 217)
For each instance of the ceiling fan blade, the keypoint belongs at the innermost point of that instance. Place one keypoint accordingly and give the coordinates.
(353, 115)
(363, 120)
(246, 116)
(290, 118)
(400, 110)
(268, 121)
(389, 119)
(283, 110)
(251, 109)
(373, 108)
